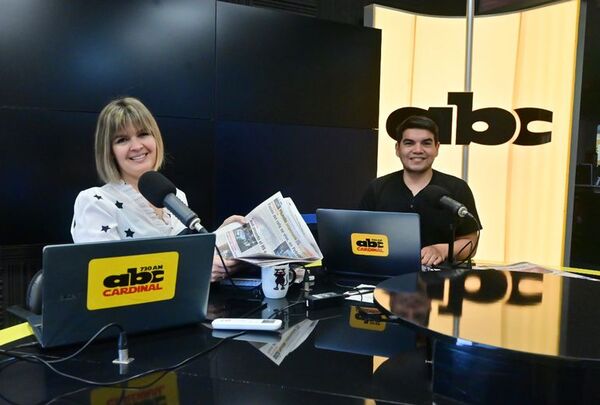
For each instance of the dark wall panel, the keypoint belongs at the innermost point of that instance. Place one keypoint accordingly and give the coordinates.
(315, 166)
(63, 60)
(190, 164)
(581, 319)
(586, 216)
(285, 68)
(77, 55)
(47, 158)
(589, 114)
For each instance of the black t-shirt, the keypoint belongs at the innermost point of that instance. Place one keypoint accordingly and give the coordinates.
(390, 193)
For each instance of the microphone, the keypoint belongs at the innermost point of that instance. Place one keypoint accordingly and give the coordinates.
(438, 196)
(160, 192)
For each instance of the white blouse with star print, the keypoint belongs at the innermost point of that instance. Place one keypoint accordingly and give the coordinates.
(117, 211)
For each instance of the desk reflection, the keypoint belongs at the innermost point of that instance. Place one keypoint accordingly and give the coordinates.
(507, 309)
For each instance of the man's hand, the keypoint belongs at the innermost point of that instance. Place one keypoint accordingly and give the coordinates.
(434, 254)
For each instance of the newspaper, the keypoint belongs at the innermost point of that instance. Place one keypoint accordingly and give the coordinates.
(527, 267)
(274, 234)
(291, 339)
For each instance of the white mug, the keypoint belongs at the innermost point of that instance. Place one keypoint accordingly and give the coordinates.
(276, 280)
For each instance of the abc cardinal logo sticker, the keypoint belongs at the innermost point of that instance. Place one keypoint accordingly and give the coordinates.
(367, 244)
(131, 280)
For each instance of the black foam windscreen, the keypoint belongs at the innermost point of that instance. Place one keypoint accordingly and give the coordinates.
(432, 194)
(155, 187)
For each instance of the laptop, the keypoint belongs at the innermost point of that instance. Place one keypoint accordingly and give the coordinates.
(369, 243)
(142, 284)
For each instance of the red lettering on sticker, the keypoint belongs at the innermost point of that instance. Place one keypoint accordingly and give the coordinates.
(132, 290)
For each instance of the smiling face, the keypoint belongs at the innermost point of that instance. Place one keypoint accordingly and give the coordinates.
(127, 139)
(417, 150)
(134, 151)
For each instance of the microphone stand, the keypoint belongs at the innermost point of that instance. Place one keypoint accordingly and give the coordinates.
(195, 225)
(449, 263)
(450, 259)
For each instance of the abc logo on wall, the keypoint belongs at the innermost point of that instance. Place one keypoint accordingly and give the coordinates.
(501, 124)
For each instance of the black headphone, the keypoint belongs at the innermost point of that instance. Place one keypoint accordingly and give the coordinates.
(33, 299)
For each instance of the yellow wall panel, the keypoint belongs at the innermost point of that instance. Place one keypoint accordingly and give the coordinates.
(536, 206)
(397, 48)
(522, 59)
(519, 60)
(439, 67)
(493, 75)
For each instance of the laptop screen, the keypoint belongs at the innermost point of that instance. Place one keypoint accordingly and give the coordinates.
(141, 284)
(369, 243)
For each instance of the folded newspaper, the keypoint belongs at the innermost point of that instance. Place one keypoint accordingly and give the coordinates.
(527, 267)
(274, 234)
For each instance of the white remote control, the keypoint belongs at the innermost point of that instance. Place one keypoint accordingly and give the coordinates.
(246, 324)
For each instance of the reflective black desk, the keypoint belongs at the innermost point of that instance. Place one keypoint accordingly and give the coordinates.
(350, 354)
(503, 336)
(344, 359)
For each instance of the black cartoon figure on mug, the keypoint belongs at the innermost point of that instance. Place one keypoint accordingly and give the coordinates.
(279, 279)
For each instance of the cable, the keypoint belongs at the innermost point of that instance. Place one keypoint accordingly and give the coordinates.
(229, 274)
(63, 398)
(278, 311)
(10, 359)
(27, 344)
(38, 360)
(30, 358)
(345, 286)
(22, 355)
(470, 243)
(352, 287)
(225, 266)
(104, 328)
(471, 252)
(360, 291)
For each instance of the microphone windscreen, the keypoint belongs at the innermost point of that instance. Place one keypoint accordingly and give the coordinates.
(155, 187)
(432, 194)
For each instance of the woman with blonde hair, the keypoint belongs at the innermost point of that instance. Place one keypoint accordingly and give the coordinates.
(128, 143)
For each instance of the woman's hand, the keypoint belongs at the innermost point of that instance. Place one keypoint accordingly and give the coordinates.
(218, 271)
(233, 218)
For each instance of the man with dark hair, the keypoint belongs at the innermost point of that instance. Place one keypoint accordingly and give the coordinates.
(417, 146)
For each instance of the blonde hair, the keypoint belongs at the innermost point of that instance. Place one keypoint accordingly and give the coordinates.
(117, 115)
